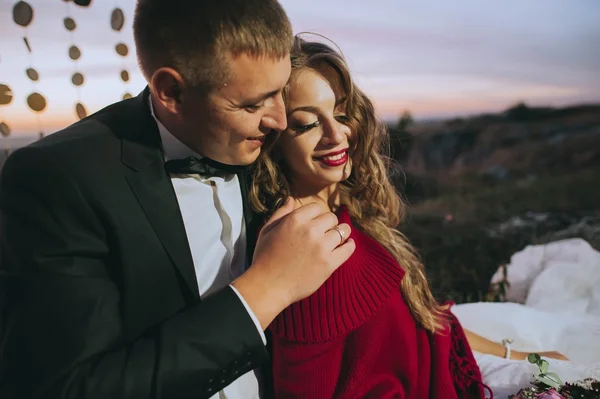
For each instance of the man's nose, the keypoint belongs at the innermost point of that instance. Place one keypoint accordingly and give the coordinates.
(275, 118)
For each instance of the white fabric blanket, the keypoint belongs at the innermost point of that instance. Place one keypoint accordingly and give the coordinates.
(555, 305)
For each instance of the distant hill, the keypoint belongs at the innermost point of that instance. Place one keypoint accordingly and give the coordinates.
(483, 187)
(517, 142)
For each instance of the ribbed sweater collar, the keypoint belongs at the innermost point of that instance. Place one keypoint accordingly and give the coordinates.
(348, 298)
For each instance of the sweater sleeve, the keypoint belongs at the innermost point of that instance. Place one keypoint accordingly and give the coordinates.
(306, 371)
(463, 366)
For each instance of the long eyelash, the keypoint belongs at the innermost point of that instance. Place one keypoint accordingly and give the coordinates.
(305, 128)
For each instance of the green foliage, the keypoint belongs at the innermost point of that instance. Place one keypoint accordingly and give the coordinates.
(549, 379)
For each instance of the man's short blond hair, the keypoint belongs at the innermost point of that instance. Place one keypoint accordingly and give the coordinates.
(196, 37)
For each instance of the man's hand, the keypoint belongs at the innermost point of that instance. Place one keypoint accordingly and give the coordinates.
(297, 250)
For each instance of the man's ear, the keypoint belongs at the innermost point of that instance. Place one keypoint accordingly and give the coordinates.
(167, 87)
(176, 94)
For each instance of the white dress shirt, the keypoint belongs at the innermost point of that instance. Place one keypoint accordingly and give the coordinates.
(213, 217)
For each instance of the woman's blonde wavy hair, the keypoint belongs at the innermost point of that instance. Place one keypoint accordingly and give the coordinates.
(373, 203)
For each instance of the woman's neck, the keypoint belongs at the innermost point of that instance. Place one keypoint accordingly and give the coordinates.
(329, 196)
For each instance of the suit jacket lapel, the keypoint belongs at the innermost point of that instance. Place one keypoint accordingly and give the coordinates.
(142, 153)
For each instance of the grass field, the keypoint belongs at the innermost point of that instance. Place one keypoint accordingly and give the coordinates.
(459, 256)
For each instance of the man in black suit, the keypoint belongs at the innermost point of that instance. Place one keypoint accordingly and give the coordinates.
(126, 270)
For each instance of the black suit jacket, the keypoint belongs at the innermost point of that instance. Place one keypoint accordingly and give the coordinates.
(99, 293)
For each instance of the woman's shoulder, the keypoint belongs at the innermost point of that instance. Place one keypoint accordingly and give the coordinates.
(353, 293)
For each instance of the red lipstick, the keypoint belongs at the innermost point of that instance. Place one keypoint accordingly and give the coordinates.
(334, 158)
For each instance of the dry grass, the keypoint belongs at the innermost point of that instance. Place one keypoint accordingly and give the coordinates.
(459, 256)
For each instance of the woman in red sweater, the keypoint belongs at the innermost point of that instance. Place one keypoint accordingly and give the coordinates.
(373, 330)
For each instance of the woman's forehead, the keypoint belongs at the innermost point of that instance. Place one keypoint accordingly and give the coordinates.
(304, 77)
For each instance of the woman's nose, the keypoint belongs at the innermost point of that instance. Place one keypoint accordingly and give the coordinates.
(333, 133)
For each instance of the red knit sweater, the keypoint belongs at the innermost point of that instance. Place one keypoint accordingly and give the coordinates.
(356, 338)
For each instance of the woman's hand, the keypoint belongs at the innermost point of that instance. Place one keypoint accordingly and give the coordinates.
(518, 355)
(553, 355)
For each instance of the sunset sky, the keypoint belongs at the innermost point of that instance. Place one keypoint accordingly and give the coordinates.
(434, 58)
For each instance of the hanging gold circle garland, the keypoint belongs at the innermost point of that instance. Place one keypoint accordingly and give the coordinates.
(6, 98)
(4, 129)
(32, 74)
(70, 24)
(74, 53)
(6, 94)
(80, 110)
(23, 15)
(36, 102)
(77, 78)
(117, 19)
(122, 49)
(82, 3)
(117, 22)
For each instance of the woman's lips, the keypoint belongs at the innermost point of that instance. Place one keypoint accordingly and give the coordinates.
(334, 159)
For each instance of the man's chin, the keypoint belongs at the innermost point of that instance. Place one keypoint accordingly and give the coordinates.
(250, 158)
(244, 158)
(249, 152)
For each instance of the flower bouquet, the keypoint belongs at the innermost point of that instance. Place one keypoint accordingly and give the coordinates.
(548, 385)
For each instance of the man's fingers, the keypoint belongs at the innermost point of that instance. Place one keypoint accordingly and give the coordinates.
(338, 235)
(343, 252)
(326, 221)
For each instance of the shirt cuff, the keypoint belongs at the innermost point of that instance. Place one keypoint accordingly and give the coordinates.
(252, 316)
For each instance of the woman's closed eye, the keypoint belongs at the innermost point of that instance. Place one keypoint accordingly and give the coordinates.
(342, 118)
(306, 128)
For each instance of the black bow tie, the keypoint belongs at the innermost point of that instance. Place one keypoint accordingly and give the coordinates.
(202, 166)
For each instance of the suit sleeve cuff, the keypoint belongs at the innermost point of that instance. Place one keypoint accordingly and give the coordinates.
(252, 316)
